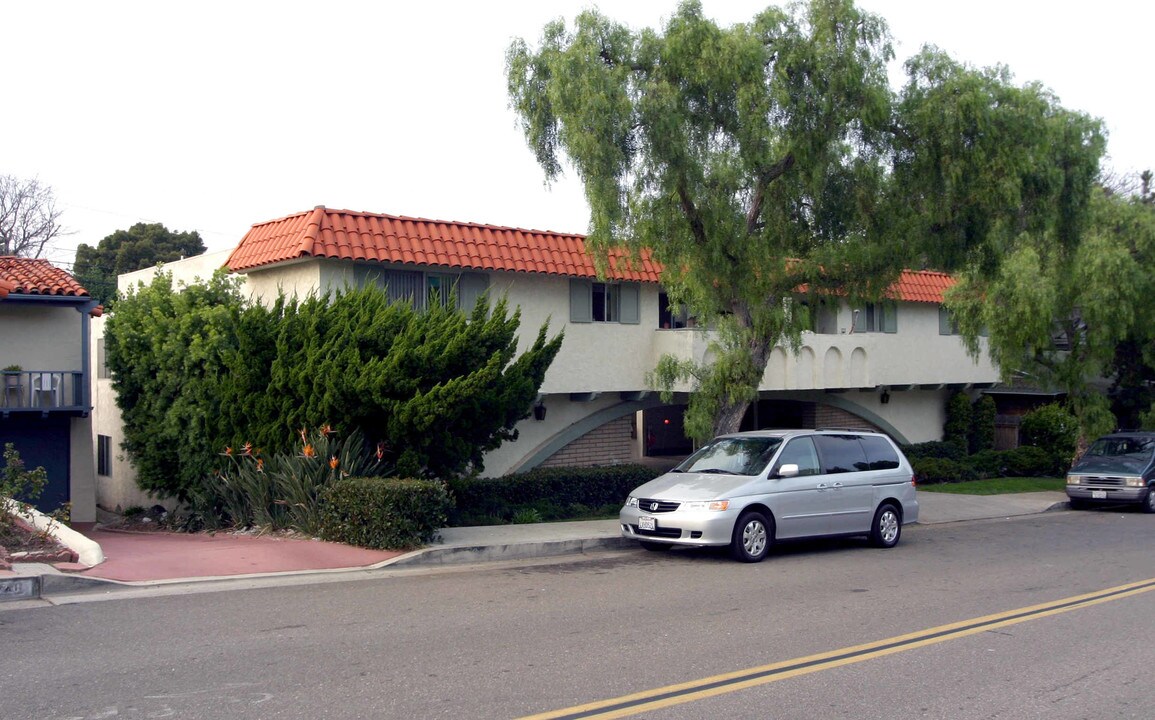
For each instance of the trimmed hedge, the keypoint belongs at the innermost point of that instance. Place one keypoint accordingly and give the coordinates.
(934, 449)
(1024, 461)
(383, 513)
(931, 470)
(552, 493)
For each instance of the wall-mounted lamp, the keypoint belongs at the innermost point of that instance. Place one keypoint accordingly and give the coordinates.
(539, 410)
(884, 398)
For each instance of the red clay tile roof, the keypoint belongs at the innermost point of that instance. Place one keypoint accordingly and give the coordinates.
(351, 235)
(922, 286)
(34, 276)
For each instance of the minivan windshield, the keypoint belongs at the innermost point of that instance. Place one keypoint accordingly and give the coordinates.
(732, 456)
(1124, 453)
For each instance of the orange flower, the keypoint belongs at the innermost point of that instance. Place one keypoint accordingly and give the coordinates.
(247, 449)
(326, 430)
(334, 462)
(304, 433)
(260, 464)
(380, 451)
(228, 451)
(308, 451)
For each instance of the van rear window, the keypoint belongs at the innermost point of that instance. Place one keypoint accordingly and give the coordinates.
(880, 455)
(855, 453)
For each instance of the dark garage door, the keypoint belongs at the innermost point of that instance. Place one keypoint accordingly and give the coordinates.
(42, 442)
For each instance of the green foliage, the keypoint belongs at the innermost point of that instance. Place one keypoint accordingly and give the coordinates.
(930, 470)
(551, 493)
(383, 513)
(1052, 429)
(17, 483)
(1030, 461)
(187, 379)
(201, 369)
(769, 156)
(281, 491)
(1023, 461)
(982, 431)
(934, 449)
(141, 246)
(437, 387)
(1065, 312)
(958, 420)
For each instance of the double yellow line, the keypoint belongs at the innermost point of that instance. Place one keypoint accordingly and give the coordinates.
(694, 690)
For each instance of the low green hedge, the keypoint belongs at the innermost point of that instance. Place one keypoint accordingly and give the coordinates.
(934, 449)
(545, 494)
(384, 513)
(930, 470)
(1024, 461)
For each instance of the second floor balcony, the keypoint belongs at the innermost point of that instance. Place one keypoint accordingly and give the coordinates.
(43, 391)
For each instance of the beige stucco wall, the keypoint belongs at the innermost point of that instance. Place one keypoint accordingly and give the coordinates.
(117, 490)
(56, 329)
(598, 361)
(188, 270)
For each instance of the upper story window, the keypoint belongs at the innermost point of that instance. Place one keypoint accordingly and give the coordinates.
(672, 317)
(876, 317)
(824, 318)
(946, 323)
(422, 289)
(591, 301)
(102, 372)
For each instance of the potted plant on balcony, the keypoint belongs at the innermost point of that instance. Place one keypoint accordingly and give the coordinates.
(10, 375)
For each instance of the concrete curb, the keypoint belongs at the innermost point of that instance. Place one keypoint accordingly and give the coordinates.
(460, 554)
(87, 551)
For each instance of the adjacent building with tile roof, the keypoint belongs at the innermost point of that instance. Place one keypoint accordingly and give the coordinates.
(888, 366)
(45, 406)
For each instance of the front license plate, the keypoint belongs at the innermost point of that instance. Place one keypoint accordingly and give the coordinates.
(647, 523)
(1098, 494)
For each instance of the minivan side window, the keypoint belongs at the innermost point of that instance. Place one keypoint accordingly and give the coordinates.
(800, 452)
(880, 454)
(841, 453)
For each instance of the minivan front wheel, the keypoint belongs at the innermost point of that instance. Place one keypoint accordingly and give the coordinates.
(887, 527)
(753, 534)
(1149, 500)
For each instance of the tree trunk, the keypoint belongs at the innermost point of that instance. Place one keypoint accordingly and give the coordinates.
(730, 411)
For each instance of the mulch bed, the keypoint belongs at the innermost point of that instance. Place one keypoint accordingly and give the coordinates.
(25, 544)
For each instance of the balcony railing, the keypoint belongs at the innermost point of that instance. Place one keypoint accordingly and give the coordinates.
(41, 390)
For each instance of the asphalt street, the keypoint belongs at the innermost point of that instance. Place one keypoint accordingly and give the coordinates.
(515, 639)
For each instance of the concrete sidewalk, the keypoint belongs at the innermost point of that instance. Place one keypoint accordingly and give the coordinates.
(147, 559)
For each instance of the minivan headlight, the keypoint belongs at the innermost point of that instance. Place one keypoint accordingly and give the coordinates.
(717, 505)
(1134, 482)
(1073, 479)
(631, 501)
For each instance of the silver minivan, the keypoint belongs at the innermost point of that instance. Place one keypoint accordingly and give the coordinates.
(747, 490)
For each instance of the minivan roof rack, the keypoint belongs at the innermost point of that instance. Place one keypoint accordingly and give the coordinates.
(846, 429)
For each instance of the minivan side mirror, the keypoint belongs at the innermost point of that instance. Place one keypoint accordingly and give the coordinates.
(787, 470)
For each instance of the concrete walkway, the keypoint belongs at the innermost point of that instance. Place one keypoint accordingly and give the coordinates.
(144, 559)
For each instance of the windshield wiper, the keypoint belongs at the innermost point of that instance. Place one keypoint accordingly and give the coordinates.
(717, 471)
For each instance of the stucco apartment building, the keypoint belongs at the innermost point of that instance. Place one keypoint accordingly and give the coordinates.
(889, 366)
(45, 406)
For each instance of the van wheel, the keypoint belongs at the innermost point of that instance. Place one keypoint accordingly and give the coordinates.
(887, 527)
(1149, 500)
(753, 534)
(655, 546)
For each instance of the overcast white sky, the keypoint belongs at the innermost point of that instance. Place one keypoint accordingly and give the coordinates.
(213, 116)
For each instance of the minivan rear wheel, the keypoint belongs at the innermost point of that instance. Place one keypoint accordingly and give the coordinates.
(753, 534)
(887, 526)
